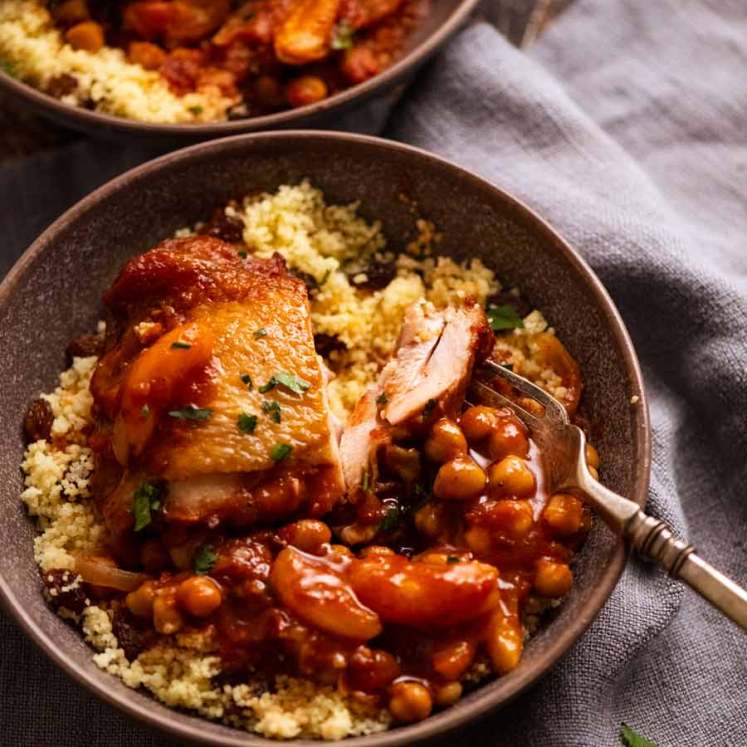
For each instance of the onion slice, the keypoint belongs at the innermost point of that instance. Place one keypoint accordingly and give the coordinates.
(102, 572)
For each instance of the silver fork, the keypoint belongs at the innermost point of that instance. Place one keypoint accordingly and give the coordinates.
(563, 447)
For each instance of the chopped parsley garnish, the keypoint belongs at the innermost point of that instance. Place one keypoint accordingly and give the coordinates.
(8, 67)
(144, 411)
(246, 423)
(204, 560)
(631, 738)
(243, 253)
(280, 451)
(190, 412)
(365, 482)
(289, 381)
(272, 408)
(246, 379)
(261, 332)
(147, 498)
(390, 521)
(452, 559)
(382, 399)
(197, 109)
(294, 383)
(430, 406)
(181, 345)
(504, 317)
(342, 36)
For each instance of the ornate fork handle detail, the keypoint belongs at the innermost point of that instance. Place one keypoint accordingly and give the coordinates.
(653, 539)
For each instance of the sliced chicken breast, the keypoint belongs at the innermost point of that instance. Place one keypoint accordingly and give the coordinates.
(436, 352)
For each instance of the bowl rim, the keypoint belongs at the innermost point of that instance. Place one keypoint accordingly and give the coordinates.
(467, 712)
(76, 116)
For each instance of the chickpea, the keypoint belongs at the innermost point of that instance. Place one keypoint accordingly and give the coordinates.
(147, 55)
(552, 579)
(437, 557)
(592, 456)
(508, 438)
(594, 472)
(504, 642)
(338, 552)
(199, 596)
(410, 702)
(307, 89)
(531, 406)
(448, 694)
(430, 520)
(307, 535)
(460, 479)
(453, 659)
(166, 617)
(358, 534)
(513, 517)
(376, 551)
(479, 422)
(511, 476)
(371, 669)
(478, 540)
(154, 556)
(563, 514)
(445, 442)
(140, 601)
(86, 35)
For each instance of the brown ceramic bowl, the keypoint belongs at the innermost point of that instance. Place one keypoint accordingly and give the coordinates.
(53, 294)
(444, 19)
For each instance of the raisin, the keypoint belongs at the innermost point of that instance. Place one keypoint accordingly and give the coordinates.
(37, 423)
(62, 85)
(62, 591)
(325, 344)
(308, 280)
(378, 275)
(133, 635)
(84, 346)
(224, 227)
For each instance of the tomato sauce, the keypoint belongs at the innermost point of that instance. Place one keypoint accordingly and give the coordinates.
(268, 55)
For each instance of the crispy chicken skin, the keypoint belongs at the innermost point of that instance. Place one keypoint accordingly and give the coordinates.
(436, 353)
(198, 338)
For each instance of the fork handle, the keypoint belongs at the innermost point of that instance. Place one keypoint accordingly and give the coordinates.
(654, 539)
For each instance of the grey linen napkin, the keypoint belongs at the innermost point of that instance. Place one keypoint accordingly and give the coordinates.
(627, 132)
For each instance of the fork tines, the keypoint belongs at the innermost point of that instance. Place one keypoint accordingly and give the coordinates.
(483, 387)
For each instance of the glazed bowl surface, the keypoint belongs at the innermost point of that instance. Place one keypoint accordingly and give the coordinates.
(53, 294)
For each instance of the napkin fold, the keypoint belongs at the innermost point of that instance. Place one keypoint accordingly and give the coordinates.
(625, 128)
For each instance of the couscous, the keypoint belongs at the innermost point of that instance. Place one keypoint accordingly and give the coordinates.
(194, 61)
(300, 545)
